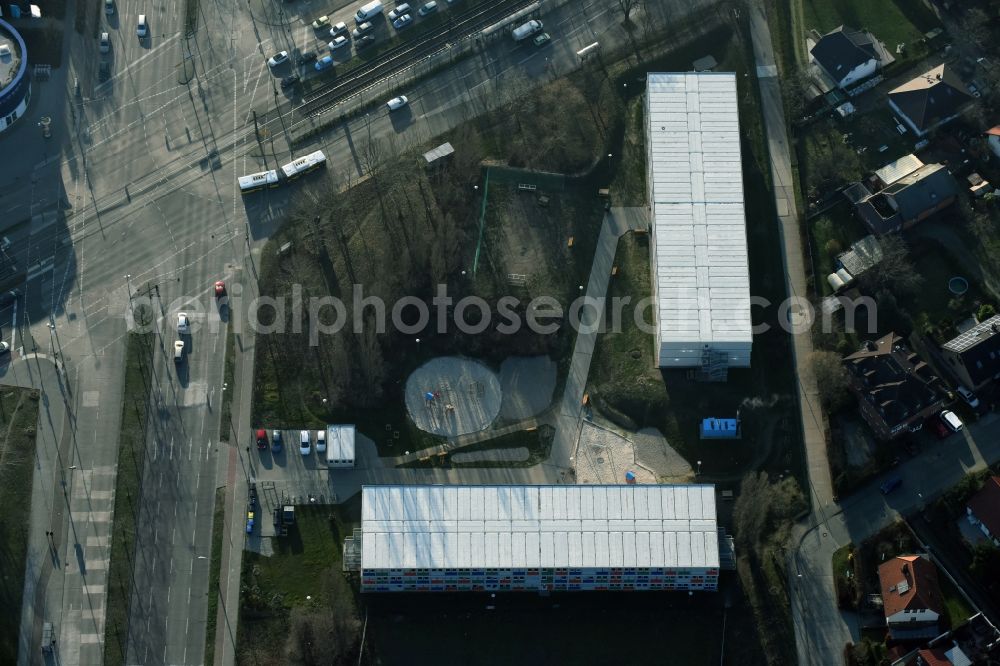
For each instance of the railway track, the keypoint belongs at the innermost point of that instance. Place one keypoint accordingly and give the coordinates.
(402, 56)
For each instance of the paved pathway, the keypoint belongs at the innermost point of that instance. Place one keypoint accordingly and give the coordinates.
(815, 586)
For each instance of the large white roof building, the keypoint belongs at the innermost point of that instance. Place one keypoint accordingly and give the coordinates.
(538, 537)
(699, 252)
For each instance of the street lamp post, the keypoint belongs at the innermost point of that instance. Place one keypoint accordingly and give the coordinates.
(699, 468)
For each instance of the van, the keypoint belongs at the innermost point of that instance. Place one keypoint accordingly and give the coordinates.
(142, 30)
(369, 11)
(527, 30)
(951, 420)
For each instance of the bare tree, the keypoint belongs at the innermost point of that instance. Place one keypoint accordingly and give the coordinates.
(895, 272)
(831, 379)
(629, 6)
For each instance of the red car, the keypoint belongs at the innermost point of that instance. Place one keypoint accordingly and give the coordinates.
(261, 439)
(220, 289)
(938, 428)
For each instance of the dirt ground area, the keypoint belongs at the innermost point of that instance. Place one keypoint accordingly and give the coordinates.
(604, 456)
(654, 452)
(521, 236)
(528, 384)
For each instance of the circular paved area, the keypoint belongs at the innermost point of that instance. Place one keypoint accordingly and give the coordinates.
(452, 396)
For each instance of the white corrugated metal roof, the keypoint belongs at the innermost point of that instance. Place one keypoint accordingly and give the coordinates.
(897, 169)
(702, 270)
(469, 527)
(340, 442)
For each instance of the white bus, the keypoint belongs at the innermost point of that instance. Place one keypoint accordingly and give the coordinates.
(258, 181)
(305, 164)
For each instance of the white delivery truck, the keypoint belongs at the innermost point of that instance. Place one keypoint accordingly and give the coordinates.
(527, 30)
(368, 12)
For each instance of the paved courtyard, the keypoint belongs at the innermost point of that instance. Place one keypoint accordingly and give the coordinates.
(452, 396)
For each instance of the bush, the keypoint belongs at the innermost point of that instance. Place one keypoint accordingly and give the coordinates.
(985, 312)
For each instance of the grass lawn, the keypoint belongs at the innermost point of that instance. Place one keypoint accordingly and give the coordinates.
(935, 304)
(226, 424)
(215, 566)
(956, 607)
(18, 424)
(892, 22)
(830, 234)
(303, 573)
(128, 489)
(843, 577)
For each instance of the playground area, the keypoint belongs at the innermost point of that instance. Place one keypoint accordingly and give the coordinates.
(451, 396)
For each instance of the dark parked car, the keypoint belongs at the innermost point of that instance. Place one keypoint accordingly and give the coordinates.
(891, 484)
(289, 81)
(307, 57)
(364, 42)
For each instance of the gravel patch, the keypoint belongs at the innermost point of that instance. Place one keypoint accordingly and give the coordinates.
(519, 454)
(653, 451)
(528, 383)
(603, 456)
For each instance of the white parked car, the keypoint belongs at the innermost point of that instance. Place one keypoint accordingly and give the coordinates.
(339, 29)
(183, 323)
(105, 42)
(142, 29)
(305, 446)
(4, 347)
(397, 103)
(277, 59)
(338, 43)
(400, 10)
(428, 8)
(968, 396)
(321, 441)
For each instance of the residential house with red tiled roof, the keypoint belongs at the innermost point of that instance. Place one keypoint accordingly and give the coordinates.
(993, 139)
(943, 656)
(911, 597)
(983, 510)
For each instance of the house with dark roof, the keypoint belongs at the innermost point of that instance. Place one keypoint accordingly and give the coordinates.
(848, 56)
(983, 510)
(993, 139)
(974, 356)
(895, 388)
(911, 597)
(930, 100)
(908, 200)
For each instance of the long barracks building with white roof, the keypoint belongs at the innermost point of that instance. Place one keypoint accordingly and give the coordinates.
(538, 538)
(701, 282)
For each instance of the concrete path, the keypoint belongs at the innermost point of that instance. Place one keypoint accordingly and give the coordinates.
(814, 589)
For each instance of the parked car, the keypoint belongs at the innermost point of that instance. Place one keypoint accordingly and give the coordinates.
(142, 28)
(261, 439)
(428, 8)
(363, 29)
(305, 446)
(4, 347)
(400, 10)
(8, 297)
(542, 39)
(276, 441)
(178, 351)
(397, 103)
(183, 323)
(338, 43)
(307, 57)
(938, 428)
(326, 62)
(951, 420)
(109, 7)
(220, 288)
(321, 22)
(289, 81)
(105, 42)
(364, 42)
(339, 29)
(968, 396)
(403, 21)
(891, 484)
(278, 58)
(321, 441)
